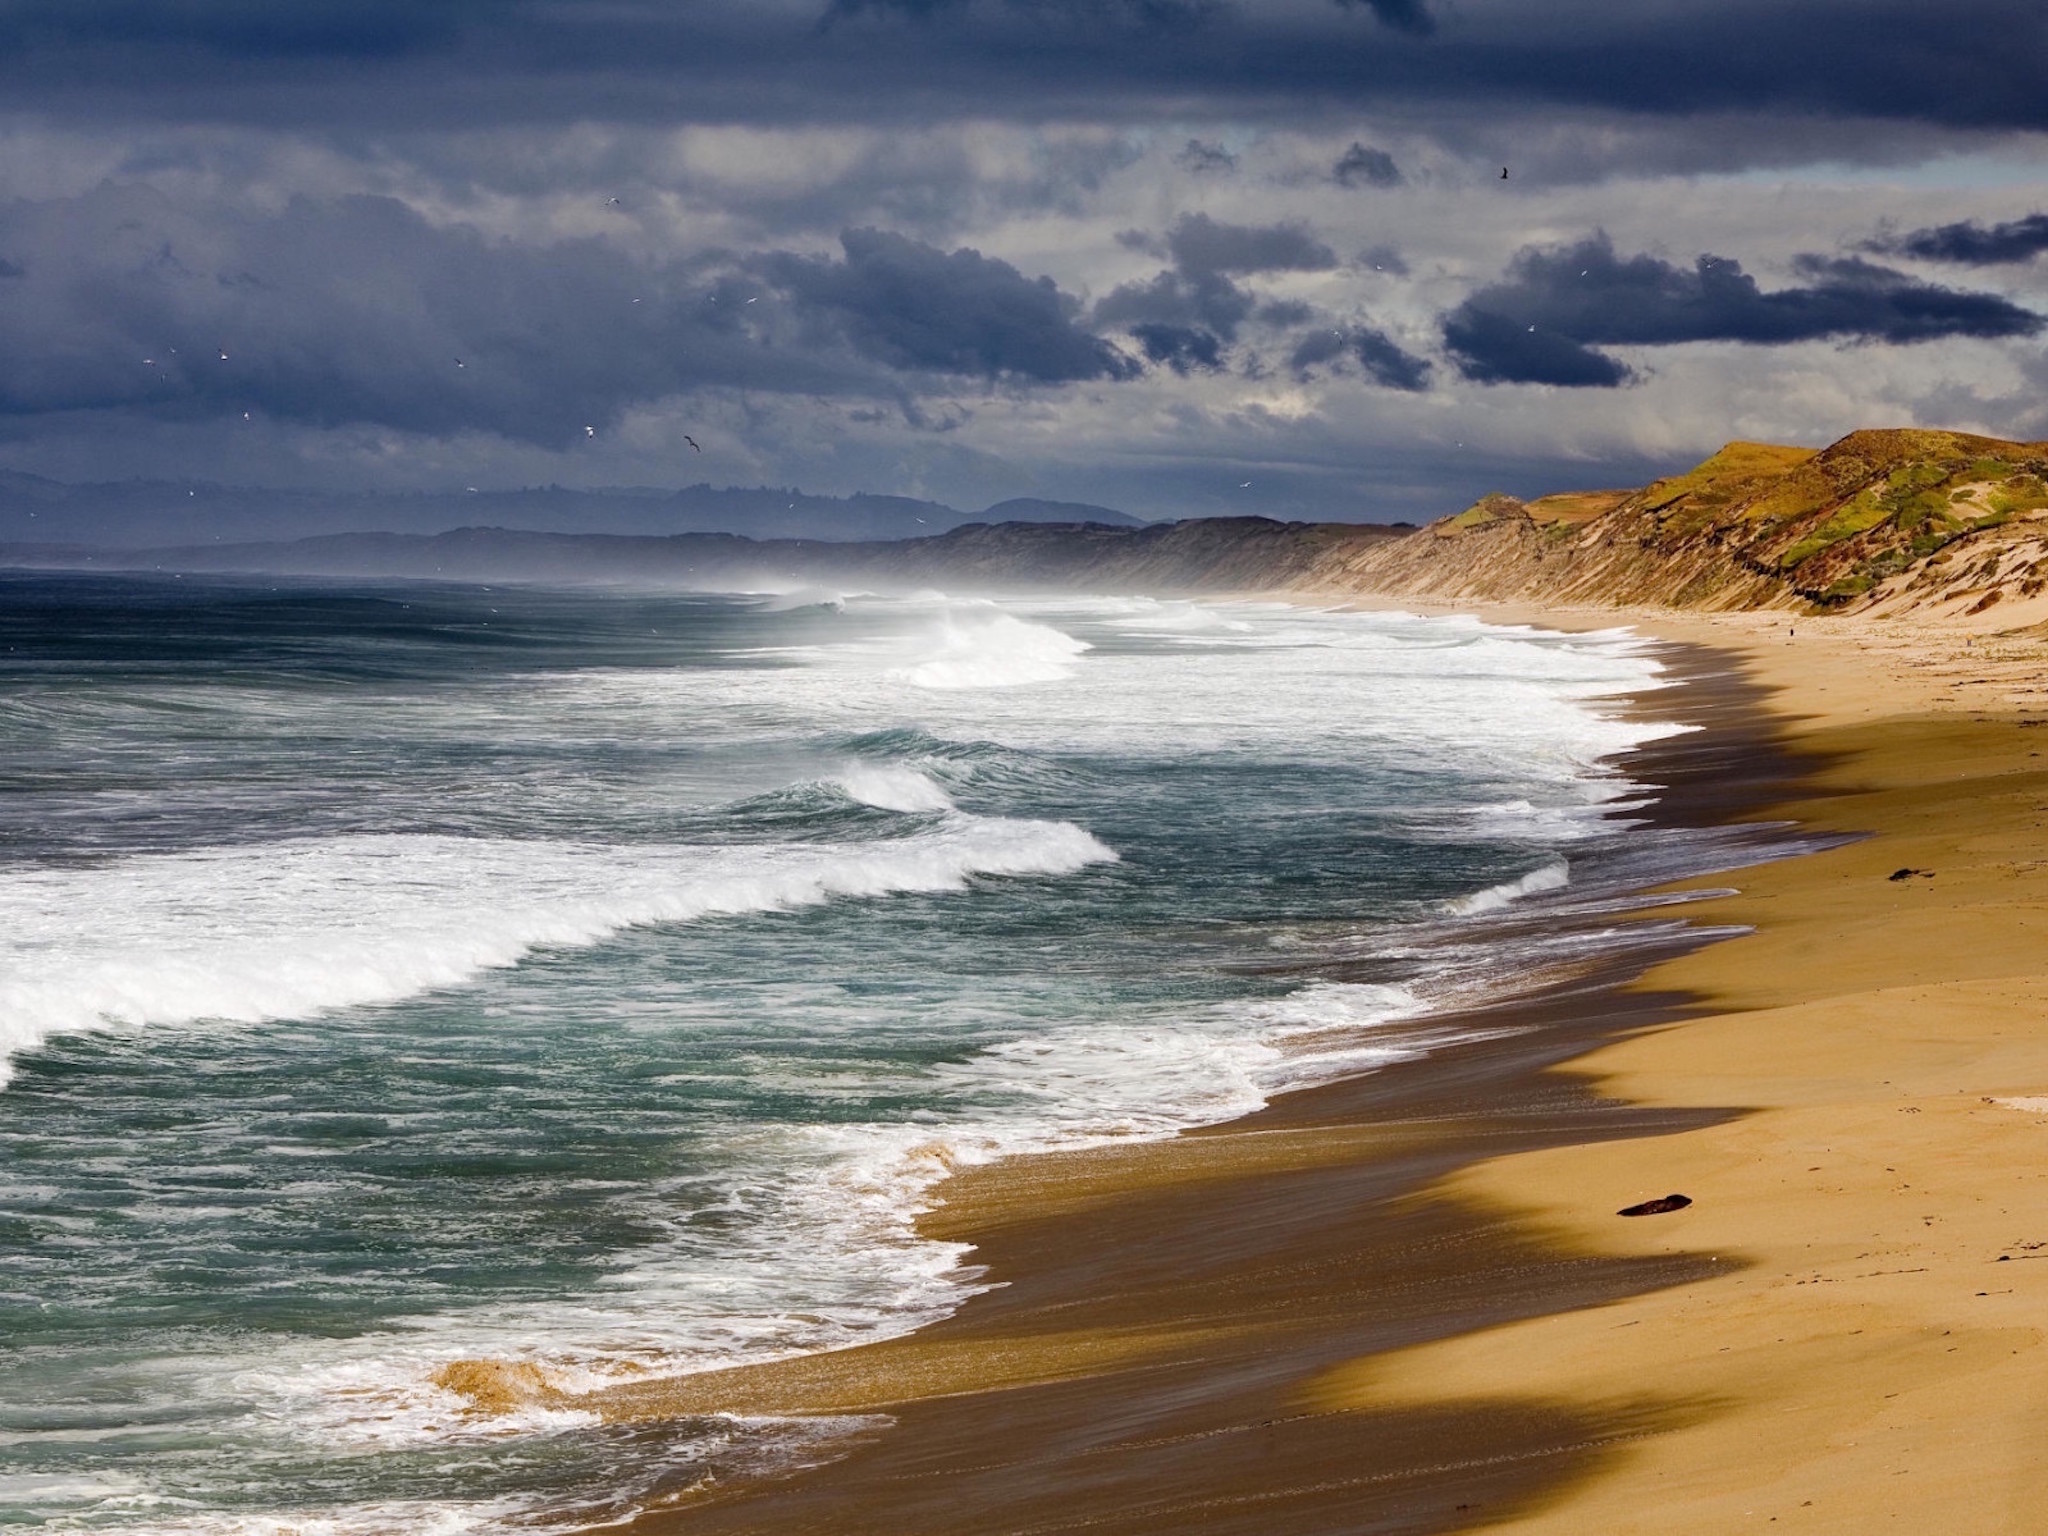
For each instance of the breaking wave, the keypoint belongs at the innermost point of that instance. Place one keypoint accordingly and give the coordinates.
(282, 930)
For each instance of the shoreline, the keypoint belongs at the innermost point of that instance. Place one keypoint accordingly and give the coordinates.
(1874, 1363)
(1126, 1375)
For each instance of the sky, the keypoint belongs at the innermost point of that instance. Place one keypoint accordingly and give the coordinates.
(1183, 257)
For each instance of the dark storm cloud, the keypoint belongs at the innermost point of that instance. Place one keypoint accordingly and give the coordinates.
(1402, 15)
(1544, 322)
(1182, 348)
(1284, 312)
(1383, 359)
(1183, 317)
(359, 311)
(1361, 166)
(1207, 300)
(250, 29)
(1974, 63)
(907, 305)
(1150, 14)
(1974, 244)
(1206, 159)
(1199, 244)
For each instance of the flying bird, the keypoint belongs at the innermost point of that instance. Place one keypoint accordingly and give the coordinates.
(1244, 485)
(611, 202)
(460, 363)
(590, 431)
(1503, 173)
(691, 441)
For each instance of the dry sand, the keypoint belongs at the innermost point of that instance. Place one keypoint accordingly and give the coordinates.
(1875, 1362)
(1406, 1303)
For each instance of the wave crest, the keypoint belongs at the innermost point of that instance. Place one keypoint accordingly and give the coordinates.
(285, 930)
(994, 650)
(1554, 876)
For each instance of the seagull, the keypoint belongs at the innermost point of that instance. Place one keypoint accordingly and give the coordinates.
(611, 202)
(590, 431)
(691, 441)
(460, 363)
(1244, 485)
(223, 354)
(755, 299)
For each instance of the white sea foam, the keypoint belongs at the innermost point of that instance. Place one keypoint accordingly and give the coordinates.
(1183, 618)
(1553, 876)
(822, 1249)
(804, 597)
(1524, 821)
(988, 648)
(283, 930)
(837, 1215)
(893, 787)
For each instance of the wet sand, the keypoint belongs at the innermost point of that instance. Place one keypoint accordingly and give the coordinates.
(1405, 1302)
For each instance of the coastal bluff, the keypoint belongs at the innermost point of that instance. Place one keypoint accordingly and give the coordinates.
(1883, 521)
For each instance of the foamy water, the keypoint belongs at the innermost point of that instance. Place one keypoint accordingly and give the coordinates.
(397, 975)
(294, 929)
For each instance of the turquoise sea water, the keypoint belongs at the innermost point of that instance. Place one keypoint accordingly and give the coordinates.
(397, 973)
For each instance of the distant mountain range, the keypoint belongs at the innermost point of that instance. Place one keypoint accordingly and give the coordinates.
(1198, 555)
(137, 514)
(1887, 522)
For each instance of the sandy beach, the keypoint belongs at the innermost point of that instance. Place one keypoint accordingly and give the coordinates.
(1406, 1302)
(1871, 1362)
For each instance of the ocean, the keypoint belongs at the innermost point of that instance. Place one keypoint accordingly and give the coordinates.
(398, 973)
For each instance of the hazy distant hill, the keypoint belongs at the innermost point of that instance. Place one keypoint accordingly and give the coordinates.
(151, 513)
(1882, 521)
(1199, 555)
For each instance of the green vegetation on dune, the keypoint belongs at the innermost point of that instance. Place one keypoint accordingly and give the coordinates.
(1826, 526)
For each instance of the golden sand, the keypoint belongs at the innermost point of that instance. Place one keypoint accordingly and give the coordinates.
(1874, 1361)
(1357, 1312)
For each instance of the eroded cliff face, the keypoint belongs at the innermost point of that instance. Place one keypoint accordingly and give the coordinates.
(1882, 521)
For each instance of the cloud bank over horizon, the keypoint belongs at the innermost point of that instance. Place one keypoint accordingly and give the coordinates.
(1181, 256)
